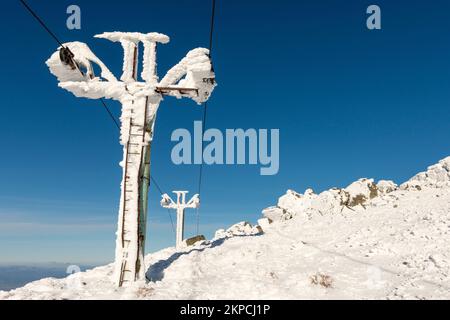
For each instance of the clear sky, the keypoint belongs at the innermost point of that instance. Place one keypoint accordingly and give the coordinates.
(349, 103)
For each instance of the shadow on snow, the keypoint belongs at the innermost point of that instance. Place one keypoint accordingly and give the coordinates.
(156, 271)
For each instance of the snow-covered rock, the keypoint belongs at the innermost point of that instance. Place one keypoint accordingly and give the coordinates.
(360, 192)
(239, 229)
(276, 214)
(386, 186)
(289, 205)
(436, 176)
(296, 203)
(329, 202)
(332, 201)
(194, 241)
(265, 223)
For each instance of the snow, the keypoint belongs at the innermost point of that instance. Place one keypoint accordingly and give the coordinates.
(84, 57)
(135, 37)
(241, 229)
(129, 63)
(195, 68)
(130, 43)
(386, 186)
(193, 72)
(149, 71)
(436, 176)
(365, 241)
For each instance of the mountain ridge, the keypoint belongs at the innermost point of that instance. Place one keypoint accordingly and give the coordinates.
(369, 240)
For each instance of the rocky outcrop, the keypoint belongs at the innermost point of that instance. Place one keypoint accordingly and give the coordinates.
(437, 176)
(276, 214)
(386, 186)
(239, 229)
(194, 240)
(333, 201)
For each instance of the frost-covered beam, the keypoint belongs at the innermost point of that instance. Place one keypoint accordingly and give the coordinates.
(194, 71)
(196, 59)
(95, 89)
(83, 56)
(149, 73)
(81, 84)
(130, 41)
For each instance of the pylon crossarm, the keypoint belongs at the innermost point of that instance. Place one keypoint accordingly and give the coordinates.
(194, 203)
(193, 72)
(130, 41)
(134, 37)
(167, 90)
(94, 89)
(167, 202)
(78, 52)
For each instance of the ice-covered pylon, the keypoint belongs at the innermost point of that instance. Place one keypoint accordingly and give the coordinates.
(180, 206)
(192, 77)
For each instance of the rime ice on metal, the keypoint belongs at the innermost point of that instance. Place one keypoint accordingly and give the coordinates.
(180, 206)
(192, 77)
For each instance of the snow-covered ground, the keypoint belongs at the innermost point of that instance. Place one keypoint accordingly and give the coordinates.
(367, 241)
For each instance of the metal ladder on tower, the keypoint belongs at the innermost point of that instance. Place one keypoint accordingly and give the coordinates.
(134, 159)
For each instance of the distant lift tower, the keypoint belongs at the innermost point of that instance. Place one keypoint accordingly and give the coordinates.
(180, 206)
(192, 77)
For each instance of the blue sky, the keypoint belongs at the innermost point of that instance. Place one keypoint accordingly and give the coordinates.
(349, 103)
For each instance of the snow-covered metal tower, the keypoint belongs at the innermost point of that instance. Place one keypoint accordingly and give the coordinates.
(192, 77)
(180, 206)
